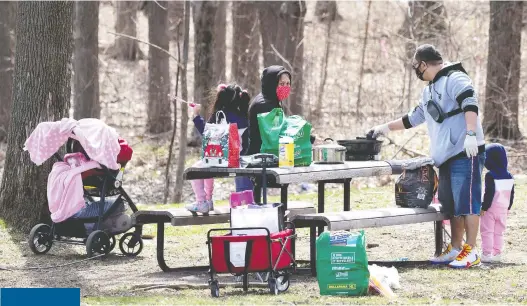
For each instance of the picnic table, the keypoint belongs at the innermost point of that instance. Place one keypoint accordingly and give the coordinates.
(320, 173)
(277, 178)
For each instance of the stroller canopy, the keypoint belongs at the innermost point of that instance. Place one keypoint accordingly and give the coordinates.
(99, 141)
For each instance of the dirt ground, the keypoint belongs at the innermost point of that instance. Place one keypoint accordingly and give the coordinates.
(114, 280)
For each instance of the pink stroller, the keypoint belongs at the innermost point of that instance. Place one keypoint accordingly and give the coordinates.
(97, 223)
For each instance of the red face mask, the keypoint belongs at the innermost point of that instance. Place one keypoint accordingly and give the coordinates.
(282, 92)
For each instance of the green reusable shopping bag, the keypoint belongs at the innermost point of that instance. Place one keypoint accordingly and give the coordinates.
(342, 263)
(300, 130)
(271, 125)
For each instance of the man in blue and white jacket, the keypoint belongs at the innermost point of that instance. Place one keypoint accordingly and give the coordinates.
(449, 107)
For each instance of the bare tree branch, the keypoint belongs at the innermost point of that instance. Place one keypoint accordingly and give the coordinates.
(282, 58)
(150, 44)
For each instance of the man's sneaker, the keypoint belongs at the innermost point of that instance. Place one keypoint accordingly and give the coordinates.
(211, 204)
(466, 259)
(201, 207)
(496, 258)
(487, 258)
(448, 255)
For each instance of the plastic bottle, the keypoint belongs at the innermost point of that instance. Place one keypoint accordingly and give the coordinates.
(286, 152)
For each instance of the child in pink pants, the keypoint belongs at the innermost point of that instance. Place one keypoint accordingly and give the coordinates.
(230, 100)
(497, 201)
(203, 190)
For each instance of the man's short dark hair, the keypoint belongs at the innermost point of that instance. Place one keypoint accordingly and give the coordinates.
(428, 53)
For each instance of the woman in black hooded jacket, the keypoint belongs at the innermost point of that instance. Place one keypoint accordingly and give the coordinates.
(265, 102)
(276, 85)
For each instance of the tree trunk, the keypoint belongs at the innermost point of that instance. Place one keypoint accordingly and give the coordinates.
(220, 43)
(41, 93)
(425, 22)
(282, 30)
(327, 11)
(158, 69)
(204, 13)
(178, 193)
(125, 23)
(273, 30)
(176, 15)
(246, 46)
(86, 60)
(204, 27)
(503, 70)
(6, 69)
(296, 10)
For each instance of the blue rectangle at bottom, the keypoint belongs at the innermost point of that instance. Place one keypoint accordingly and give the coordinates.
(40, 296)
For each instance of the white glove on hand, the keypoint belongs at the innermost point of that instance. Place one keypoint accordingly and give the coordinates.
(378, 130)
(471, 146)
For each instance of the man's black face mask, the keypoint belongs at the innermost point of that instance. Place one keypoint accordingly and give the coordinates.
(418, 73)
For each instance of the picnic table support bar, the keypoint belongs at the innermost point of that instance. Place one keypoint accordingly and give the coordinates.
(438, 227)
(322, 196)
(321, 199)
(313, 250)
(347, 190)
(161, 247)
(161, 253)
(283, 195)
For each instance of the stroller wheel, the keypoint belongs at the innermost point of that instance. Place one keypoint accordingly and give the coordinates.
(98, 242)
(113, 242)
(282, 282)
(214, 289)
(273, 288)
(131, 244)
(40, 239)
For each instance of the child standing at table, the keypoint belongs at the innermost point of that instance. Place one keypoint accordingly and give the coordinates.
(497, 201)
(229, 99)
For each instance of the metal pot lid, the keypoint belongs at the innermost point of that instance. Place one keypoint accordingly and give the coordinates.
(330, 144)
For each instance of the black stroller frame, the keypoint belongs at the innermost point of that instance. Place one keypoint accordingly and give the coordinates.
(98, 242)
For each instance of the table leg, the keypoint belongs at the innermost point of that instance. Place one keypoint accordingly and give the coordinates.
(313, 250)
(161, 247)
(161, 254)
(438, 227)
(283, 195)
(347, 190)
(321, 199)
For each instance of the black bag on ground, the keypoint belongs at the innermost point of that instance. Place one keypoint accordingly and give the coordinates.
(416, 188)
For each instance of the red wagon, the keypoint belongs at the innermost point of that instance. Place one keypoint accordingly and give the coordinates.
(272, 253)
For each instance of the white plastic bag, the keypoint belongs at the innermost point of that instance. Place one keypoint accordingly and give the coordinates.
(215, 146)
(237, 253)
(267, 217)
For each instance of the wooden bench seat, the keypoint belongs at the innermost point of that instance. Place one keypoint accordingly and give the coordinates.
(358, 219)
(182, 217)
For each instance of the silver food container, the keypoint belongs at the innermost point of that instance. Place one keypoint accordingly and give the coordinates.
(329, 153)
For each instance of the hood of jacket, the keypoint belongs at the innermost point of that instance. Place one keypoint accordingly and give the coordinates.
(269, 79)
(496, 161)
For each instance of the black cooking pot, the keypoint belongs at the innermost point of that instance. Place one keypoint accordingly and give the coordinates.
(361, 146)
